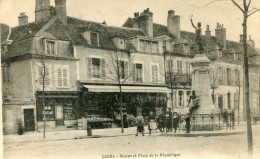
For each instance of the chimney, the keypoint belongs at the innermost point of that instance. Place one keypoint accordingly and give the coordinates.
(145, 22)
(173, 24)
(42, 10)
(220, 34)
(61, 11)
(208, 32)
(22, 19)
(241, 38)
(251, 42)
(136, 14)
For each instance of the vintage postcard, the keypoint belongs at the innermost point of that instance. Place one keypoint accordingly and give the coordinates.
(130, 79)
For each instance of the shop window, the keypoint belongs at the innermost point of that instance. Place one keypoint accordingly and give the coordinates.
(68, 112)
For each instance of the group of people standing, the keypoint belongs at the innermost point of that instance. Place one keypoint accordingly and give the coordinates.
(164, 122)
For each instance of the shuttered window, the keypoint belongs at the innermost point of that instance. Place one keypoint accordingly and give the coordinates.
(138, 72)
(179, 66)
(62, 76)
(43, 73)
(123, 69)
(96, 68)
(155, 73)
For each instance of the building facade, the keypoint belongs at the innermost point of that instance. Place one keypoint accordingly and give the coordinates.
(61, 69)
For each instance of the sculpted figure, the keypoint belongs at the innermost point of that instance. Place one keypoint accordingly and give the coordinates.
(198, 35)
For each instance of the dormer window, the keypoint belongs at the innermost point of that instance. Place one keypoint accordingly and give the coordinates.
(149, 46)
(50, 47)
(94, 39)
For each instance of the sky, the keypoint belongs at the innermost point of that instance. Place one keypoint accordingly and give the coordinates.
(115, 13)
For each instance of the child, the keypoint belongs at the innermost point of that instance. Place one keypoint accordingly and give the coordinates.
(140, 124)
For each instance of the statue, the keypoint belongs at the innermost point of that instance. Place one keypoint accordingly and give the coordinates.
(198, 35)
(193, 102)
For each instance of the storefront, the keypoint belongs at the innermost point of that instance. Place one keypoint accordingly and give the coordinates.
(103, 100)
(61, 109)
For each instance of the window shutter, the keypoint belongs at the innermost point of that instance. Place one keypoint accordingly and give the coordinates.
(225, 76)
(133, 73)
(152, 73)
(89, 64)
(103, 71)
(59, 75)
(65, 77)
(40, 73)
(156, 73)
(126, 69)
(47, 75)
(232, 77)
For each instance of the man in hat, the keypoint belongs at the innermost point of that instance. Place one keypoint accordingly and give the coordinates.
(188, 125)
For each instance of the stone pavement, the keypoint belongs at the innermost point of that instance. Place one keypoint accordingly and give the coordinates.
(111, 132)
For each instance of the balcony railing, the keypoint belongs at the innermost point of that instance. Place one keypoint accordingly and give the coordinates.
(178, 78)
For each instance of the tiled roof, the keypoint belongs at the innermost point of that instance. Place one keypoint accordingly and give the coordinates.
(76, 27)
(26, 31)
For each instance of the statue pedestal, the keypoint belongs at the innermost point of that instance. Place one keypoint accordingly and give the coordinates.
(201, 86)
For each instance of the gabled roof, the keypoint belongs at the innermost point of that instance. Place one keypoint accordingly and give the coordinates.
(76, 27)
(26, 31)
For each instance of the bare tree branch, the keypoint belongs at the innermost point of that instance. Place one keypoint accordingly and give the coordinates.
(239, 7)
(249, 3)
(253, 12)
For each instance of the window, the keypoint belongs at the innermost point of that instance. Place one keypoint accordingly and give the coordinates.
(179, 66)
(180, 98)
(170, 66)
(123, 69)
(236, 78)
(228, 101)
(155, 73)
(44, 74)
(187, 67)
(96, 68)
(220, 75)
(94, 39)
(62, 76)
(148, 46)
(236, 100)
(6, 74)
(50, 48)
(138, 72)
(228, 76)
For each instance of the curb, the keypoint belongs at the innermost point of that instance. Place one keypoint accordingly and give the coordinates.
(210, 134)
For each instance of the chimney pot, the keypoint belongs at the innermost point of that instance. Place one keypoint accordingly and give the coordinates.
(104, 22)
(22, 19)
(208, 32)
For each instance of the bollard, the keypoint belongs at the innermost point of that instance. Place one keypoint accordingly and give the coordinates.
(89, 131)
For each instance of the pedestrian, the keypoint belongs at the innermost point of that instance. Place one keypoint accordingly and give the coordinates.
(175, 121)
(188, 125)
(161, 122)
(168, 120)
(225, 117)
(125, 121)
(140, 124)
(233, 118)
(151, 122)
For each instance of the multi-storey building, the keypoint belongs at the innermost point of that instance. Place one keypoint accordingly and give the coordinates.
(61, 68)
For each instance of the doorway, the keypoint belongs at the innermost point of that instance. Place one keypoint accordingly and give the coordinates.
(29, 124)
(220, 103)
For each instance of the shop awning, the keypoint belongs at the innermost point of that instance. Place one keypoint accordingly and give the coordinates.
(102, 88)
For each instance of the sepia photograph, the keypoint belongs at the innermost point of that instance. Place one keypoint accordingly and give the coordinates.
(130, 79)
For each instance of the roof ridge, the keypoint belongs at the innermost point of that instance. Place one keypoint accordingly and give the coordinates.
(112, 26)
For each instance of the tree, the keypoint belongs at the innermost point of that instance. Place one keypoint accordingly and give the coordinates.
(118, 68)
(247, 10)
